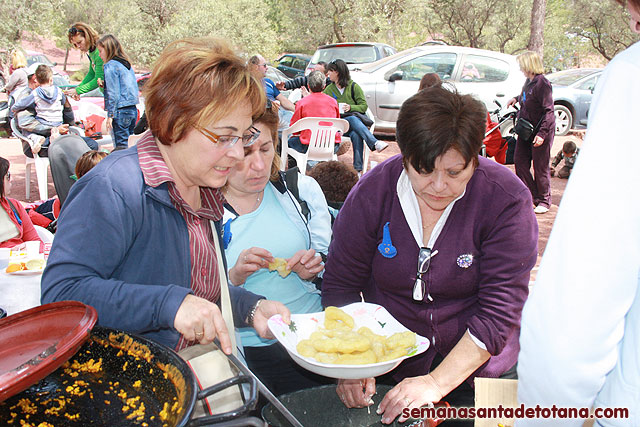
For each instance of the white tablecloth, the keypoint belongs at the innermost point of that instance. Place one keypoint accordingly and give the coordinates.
(19, 292)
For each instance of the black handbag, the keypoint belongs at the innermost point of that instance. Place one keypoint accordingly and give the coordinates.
(524, 129)
(361, 116)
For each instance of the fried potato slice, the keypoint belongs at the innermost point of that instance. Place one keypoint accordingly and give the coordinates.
(401, 340)
(326, 357)
(335, 318)
(305, 348)
(279, 265)
(343, 342)
(357, 358)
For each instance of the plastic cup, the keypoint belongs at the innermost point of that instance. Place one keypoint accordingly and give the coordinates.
(342, 106)
(33, 248)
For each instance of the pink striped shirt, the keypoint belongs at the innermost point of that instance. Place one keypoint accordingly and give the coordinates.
(205, 282)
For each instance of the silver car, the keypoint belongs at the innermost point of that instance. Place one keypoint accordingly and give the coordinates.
(572, 92)
(387, 83)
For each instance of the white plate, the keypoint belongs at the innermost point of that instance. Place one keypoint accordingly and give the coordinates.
(26, 272)
(373, 316)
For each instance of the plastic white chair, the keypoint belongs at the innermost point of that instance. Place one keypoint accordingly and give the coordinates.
(40, 163)
(366, 151)
(321, 142)
(45, 235)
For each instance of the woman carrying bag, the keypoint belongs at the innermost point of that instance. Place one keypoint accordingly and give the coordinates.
(535, 126)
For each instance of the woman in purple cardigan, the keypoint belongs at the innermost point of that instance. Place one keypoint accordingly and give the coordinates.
(445, 241)
(536, 106)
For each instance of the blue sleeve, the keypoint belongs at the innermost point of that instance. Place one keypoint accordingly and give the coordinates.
(272, 90)
(82, 269)
(112, 85)
(24, 103)
(241, 302)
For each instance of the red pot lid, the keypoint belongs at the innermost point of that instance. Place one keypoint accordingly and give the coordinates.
(36, 342)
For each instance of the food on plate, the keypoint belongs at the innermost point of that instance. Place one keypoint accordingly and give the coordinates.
(334, 318)
(12, 268)
(35, 264)
(279, 265)
(31, 265)
(337, 343)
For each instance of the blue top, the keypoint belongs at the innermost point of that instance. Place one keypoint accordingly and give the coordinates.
(123, 248)
(269, 227)
(272, 90)
(121, 88)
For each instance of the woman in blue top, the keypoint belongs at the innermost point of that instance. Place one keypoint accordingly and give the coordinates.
(262, 221)
(120, 90)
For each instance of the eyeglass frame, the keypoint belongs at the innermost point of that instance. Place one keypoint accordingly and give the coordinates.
(74, 31)
(215, 138)
(8, 176)
(420, 285)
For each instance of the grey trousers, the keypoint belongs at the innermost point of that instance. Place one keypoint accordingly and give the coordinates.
(63, 155)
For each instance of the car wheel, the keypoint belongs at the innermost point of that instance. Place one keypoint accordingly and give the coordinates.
(564, 119)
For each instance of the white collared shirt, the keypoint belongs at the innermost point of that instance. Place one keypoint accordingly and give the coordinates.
(411, 210)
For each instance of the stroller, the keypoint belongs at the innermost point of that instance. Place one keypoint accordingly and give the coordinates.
(495, 144)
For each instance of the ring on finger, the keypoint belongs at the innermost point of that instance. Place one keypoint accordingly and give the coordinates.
(199, 334)
(407, 402)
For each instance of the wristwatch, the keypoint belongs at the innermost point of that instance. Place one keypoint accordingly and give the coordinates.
(252, 313)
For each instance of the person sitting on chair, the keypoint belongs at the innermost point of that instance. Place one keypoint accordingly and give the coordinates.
(15, 225)
(317, 104)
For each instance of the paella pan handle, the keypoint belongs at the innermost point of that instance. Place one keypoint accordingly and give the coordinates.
(225, 416)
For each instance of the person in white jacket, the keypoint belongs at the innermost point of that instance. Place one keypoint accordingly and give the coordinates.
(580, 338)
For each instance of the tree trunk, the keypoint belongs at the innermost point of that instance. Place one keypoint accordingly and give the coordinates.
(66, 58)
(536, 39)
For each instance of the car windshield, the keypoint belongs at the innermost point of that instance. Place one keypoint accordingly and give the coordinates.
(370, 68)
(351, 54)
(32, 59)
(568, 77)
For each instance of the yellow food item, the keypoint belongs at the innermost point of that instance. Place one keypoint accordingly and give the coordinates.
(401, 340)
(34, 264)
(337, 343)
(12, 268)
(334, 318)
(279, 265)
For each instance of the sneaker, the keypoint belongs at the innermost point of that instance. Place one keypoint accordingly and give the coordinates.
(381, 146)
(36, 143)
(541, 209)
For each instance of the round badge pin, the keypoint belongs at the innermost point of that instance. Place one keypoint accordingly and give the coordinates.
(464, 260)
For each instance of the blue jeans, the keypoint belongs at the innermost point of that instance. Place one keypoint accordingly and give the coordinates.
(358, 133)
(123, 124)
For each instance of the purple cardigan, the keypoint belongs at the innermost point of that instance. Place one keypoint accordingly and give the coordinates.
(494, 223)
(536, 101)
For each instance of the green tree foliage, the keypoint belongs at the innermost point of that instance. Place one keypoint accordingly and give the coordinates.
(573, 29)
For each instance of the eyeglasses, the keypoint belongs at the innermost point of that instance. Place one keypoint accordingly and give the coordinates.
(73, 31)
(228, 141)
(424, 261)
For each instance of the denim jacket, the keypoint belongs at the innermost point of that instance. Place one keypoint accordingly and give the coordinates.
(121, 88)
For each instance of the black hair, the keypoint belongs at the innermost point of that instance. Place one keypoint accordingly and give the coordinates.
(341, 68)
(435, 120)
(569, 147)
(4, 169)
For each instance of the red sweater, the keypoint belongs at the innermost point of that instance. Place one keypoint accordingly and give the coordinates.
(26, 229)
(316, 104)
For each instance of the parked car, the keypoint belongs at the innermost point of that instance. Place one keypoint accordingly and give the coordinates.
(293, 64)
(572, 92)
(33, 57)
(277, 76)
(388, 82)
(355, 54)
